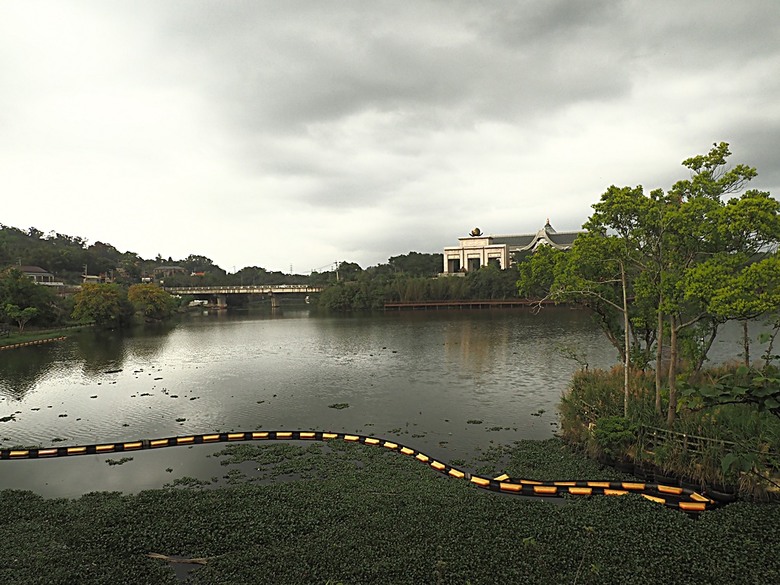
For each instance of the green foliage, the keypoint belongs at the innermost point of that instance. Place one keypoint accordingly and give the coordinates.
(21, 316)
(537, 272)
(19, 291)
(151, 301)
(371, 289)
(104, 304)
(730, 439)
(744, 385)
(614, 435)
(683, 259)
(390, 520)
(417, 264)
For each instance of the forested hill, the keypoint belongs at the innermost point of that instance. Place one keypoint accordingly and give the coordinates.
(67, 256)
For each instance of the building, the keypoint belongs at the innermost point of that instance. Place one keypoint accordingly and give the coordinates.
(479, 250)
(38, 275)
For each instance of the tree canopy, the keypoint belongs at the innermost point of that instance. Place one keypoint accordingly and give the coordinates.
(688, 259)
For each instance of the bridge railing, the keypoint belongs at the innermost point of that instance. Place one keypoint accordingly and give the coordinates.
(246, 288)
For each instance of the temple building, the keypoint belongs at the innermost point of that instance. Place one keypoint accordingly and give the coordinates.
(478, 249)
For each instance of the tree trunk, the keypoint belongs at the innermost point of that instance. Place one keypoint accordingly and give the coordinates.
(746, 342)
(672, 412)
(627, 359)
(659, 351)
(706, 348)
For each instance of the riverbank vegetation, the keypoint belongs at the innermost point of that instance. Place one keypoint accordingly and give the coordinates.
(342, 513)
(30, 311)
(662, 272)
(372, 288)
(729, 448)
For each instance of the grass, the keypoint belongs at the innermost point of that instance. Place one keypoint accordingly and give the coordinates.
(15, 337)
(598, 395)
(358, 514)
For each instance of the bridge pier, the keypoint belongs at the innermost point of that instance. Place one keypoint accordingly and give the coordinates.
(222, 301)
(275, 303)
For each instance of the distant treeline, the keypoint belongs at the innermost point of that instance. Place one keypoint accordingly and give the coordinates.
(372, 288)
(67, 257)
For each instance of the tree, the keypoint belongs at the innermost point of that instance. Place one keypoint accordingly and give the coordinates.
(21, 316)
(417, 264)
(685, 259)
(16, 289)
(104, 304)
(702, 226)
(536, 272)
(150, 300)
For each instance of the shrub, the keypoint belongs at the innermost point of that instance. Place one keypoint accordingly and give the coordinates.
(613, 436)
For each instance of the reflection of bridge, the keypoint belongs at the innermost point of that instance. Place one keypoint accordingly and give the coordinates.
(218, 294)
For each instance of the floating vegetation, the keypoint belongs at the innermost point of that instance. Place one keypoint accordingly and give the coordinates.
(346, 526)
(473, 421)
(339, 405)
(121, 461)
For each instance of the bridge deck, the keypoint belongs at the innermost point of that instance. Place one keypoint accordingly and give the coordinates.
(245, 289)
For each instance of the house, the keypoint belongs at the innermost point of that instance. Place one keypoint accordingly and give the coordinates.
(479, 250)
(39, 275)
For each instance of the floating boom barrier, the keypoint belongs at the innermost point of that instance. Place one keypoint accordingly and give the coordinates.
(671, 496)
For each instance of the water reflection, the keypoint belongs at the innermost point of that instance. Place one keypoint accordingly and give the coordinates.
(422, 379)
(93, 352)
(21, 368)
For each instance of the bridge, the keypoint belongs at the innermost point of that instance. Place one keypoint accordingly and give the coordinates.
(218, 294)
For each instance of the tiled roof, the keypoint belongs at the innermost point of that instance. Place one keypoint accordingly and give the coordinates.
(563, 238)
(515, 241)
(31, 269)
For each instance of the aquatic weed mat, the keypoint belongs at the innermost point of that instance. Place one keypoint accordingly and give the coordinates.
(387, 519)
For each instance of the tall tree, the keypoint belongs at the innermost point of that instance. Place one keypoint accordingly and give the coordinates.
(683, 258)
(104, 304)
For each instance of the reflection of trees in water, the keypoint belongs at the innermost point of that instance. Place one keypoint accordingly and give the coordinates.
(99, 350)
(22, 368)
(476, 344)
(149, 341)
(95, 351)
(109, 349)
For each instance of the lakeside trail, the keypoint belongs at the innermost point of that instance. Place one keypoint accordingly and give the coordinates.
(345, 512)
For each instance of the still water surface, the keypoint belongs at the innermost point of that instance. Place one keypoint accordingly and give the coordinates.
(447, 383)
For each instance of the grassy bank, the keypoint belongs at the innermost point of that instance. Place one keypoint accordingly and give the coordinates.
(343, 513)
(15, 338)
(734, 445)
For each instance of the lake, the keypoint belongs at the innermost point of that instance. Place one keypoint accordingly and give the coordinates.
(448, 383)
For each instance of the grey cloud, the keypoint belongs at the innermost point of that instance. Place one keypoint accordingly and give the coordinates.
(284, 68)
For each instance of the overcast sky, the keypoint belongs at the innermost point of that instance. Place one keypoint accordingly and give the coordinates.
(299, 133)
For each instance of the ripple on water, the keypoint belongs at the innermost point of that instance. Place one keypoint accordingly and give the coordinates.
(422, 376)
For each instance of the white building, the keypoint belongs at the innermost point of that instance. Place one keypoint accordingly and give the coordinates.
(479, 249)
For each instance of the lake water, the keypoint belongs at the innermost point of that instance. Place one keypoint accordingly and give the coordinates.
(448, 383)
